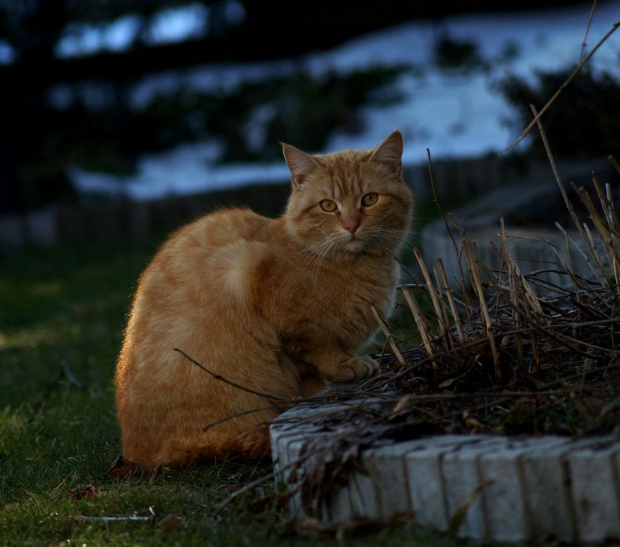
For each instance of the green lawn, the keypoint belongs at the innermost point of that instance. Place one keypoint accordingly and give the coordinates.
(66, 306)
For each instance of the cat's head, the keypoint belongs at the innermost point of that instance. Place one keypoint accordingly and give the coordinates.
(351, 201)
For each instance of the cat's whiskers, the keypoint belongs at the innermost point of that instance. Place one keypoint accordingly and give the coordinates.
(384, 236)
(331, 244)
(315, 251)
(320, 252)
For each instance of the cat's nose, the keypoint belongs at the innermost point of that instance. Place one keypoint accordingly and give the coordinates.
(351, 226)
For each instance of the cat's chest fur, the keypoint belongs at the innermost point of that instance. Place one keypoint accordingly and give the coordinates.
(350, 286)
(299, 292)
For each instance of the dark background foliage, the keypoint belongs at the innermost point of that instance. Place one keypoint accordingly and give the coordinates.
(39, 142)
(585, 117)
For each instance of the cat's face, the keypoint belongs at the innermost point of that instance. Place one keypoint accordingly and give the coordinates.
(352, 201)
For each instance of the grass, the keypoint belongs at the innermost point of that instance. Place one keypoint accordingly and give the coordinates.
(63, 309)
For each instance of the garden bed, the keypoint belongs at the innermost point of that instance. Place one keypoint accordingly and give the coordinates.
(498, 357)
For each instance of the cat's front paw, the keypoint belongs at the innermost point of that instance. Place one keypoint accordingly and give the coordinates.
(354, 368)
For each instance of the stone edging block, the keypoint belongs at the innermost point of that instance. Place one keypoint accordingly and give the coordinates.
(506, 488)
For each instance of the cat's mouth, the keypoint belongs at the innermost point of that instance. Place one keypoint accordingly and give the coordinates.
(354, 244)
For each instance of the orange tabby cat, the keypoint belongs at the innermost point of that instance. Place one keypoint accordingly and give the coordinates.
(277, 306)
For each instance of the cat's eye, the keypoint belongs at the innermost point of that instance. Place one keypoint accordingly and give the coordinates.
(328, 205)
(370, 199)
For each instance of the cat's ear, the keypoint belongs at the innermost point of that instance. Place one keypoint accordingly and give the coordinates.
(390, 152)
(299, 163)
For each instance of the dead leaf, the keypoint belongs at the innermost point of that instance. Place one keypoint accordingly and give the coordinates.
(89, 492)
(448, 382)
(402, 404)
(123, 468)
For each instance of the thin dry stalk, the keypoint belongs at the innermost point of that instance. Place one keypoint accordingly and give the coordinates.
(610, 205)
(514, 296)
(607, 205)
(614, 224)
(563, 86)
(388, 336)
(230, 382)
(431, 290)
(467, 244)
(455, 315)
(457, 253)
(606, 201)
(529, 297)
(519, 294)
(469, 308)
(503, 266)
(614, 227)
(558, 178)
(474, 265)
(604, 232)
(569, 267)
(614, 163)
(585, 36)
(587, 201)
(564, 267)
(564, 341)
(533, 344)
(594, 252)
(421, 322)
(447, 331)
(211, 425)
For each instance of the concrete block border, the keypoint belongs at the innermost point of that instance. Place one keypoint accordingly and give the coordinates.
(509, 489)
